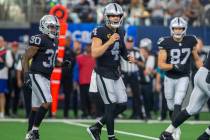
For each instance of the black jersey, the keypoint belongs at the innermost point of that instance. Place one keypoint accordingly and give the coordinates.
(44, 60)
(178, 53)
(108, 64)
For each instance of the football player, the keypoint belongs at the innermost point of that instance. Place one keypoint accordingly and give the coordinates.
(42, 50)
(107, 47)
(174, 57)
(199, 96)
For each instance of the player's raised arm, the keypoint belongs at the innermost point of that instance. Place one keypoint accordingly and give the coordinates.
(162, 56)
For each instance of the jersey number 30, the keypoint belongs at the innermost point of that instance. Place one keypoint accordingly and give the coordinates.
(50, 59)
(177, 54)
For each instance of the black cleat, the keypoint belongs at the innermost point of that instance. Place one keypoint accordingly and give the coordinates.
(166, 136)
(34, 135)
(114, 139)
(204, 136)
(94, 132)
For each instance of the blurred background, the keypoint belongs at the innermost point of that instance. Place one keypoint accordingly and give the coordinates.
(19, 19)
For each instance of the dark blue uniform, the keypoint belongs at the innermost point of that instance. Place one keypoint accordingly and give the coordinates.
(108, 64)
(44, 60)
(178, 53)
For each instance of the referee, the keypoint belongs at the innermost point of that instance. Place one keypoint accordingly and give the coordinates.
(130, 74)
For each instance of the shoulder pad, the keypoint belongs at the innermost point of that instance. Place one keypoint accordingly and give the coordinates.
(97, 32)
(35, 40)
(161, 42)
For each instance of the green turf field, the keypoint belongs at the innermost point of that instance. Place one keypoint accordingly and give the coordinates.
(74, 130)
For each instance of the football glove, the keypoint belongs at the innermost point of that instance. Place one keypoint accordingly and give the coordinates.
(178, 67)
(27, 80)
(66, 63)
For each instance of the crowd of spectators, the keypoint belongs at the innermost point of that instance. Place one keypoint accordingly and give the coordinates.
(137, 12)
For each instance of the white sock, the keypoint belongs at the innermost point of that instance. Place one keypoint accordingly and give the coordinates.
(170, 128)
(208, 131)
(100, 122)
(35, 128)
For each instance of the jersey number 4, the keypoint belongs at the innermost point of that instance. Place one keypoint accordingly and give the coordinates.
(178, 54)
(115, 51)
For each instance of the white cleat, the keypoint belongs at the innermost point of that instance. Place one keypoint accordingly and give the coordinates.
(177, 134)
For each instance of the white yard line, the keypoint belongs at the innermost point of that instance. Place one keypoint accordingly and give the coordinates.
(116, 131)
(78, 122)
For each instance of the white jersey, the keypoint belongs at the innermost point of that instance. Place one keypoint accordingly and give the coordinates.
(9, 62)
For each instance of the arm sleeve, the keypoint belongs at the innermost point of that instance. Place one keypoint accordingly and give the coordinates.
(9, 59)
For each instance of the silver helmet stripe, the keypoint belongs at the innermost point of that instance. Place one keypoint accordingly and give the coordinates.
(115, 7)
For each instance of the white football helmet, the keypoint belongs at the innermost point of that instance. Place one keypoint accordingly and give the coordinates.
(113, 9)
(46, 23)
(146, 43)
(178, 22)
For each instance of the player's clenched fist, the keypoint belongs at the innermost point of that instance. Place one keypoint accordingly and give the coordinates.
(114, 38)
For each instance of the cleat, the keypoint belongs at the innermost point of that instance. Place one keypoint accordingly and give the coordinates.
(166, 136)
(204, 136)
(94, 132)
(33, 135)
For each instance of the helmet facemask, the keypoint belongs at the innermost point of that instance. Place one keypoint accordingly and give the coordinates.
(113, 9)
(176, 24)
(50, 26)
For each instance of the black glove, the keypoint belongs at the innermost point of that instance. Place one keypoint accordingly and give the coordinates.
(179, 67)
(27, 80)
(208, 78)
(66, 63)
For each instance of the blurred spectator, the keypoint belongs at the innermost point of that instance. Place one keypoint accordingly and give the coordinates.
(86, 64)
(6, 62)
(85, 11)
(130, 75)
(100, 10)
(137, 13)
(15, 84)
(67, 76)
(175, 8)
(207, 15)
(194, 12)
(159, 88)
(157, 8)
(147, 75)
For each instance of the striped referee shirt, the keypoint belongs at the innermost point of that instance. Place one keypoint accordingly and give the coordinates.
(127, 67)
